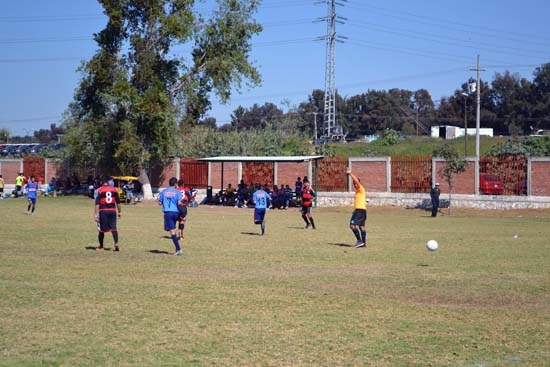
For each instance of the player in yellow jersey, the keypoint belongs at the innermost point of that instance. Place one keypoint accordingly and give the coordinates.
(359, 216)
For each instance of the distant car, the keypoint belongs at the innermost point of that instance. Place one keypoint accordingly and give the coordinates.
(38, 148)
(489, 184)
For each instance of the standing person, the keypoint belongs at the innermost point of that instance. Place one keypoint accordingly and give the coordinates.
(18, 184)
(359, 216)
(182, 209)
(261, 200)
(170, 199)
(1, 187)
(32, 190)
(434, 195)
(107, 204)
(298, 188)
(307, 204)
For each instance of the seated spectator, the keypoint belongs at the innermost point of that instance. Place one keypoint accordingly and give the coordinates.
(228, 197)
(287, 196)
(242, 193)
(52, 187)
(275, 197)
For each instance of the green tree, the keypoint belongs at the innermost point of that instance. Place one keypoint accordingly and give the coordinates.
(453, 166)
(135, 91)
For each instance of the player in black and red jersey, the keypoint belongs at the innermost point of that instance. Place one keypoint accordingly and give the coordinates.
(307, 203)
(186, 199)
(107, 204)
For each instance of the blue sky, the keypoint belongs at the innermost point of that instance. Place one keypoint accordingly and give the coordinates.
(391, 44)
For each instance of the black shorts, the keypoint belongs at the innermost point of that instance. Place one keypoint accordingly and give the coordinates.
(107, 221)
(182, 213)
(306, 209)
(359, 217)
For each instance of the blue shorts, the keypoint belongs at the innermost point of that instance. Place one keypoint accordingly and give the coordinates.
(259, 215)
(170, 220)
(32, 200)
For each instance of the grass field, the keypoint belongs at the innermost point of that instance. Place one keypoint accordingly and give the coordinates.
(290, 298)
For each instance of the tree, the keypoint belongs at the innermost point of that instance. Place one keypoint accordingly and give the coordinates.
(454, 165)
(48, 136)
(134, 91)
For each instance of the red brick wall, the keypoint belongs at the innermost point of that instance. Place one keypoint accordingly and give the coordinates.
(373, 174)
(287, 173)
(54, 169)
(230, 175)
(463, 183)
(10, 170)
(540, 178)
(161, 174)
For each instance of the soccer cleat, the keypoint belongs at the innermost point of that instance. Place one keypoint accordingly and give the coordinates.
(117, 248)
(360, 244)
(99, 248)
(307, 226)
(178, 253)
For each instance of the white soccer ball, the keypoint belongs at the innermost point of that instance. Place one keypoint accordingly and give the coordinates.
(432, 245)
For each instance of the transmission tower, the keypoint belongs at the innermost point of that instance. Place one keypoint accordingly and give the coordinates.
(329, 117)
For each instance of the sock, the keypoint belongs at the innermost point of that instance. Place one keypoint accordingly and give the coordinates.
(176, 242)
(263, 227)
(33, 208)
(305, 219)
(312, 222)
(29, 207)
(356, 233)
(115, 237)
(364, 235)
(100, 238)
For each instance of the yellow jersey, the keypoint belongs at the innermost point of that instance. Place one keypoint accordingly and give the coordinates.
(359, 200)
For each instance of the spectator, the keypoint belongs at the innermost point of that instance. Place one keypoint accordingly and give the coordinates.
(1, 187)
(275, 197)
(298, 187)
(434, 195)
(228, 197)
(19, 184)
(287, 196)
(129, 190)
(52, 187)
(241, 195)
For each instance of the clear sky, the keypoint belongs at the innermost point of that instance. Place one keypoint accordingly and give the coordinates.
(391, 44)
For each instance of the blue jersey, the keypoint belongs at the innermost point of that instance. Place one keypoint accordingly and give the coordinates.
(261, 199)
(32, 189)
(169, 199)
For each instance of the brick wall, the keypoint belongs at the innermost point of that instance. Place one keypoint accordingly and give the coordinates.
(10, 169)
(540, 178)
(463, 183)
(230, 174)
(287, 173)
(372, 173)
(161, 173)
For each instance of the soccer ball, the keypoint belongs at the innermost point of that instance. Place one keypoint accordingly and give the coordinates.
(432, 245)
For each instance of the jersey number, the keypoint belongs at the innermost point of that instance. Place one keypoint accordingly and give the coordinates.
(262, 201)
(108, 197)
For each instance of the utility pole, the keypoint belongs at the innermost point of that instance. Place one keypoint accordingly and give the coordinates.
(329, 117)
(416, 120)
(478, 113)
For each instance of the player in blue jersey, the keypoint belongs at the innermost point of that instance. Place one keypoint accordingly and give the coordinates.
(32, 190)
(170, 199)
(261, 201)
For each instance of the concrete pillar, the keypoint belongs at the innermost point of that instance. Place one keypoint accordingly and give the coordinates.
(209, 173)
(388, 174)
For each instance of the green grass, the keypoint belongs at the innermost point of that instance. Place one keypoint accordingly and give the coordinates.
(413, 146)
(291, 298)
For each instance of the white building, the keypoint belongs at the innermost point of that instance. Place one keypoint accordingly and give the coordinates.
(453, 132)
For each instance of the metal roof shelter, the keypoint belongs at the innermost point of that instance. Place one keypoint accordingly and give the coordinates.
(275, 159)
